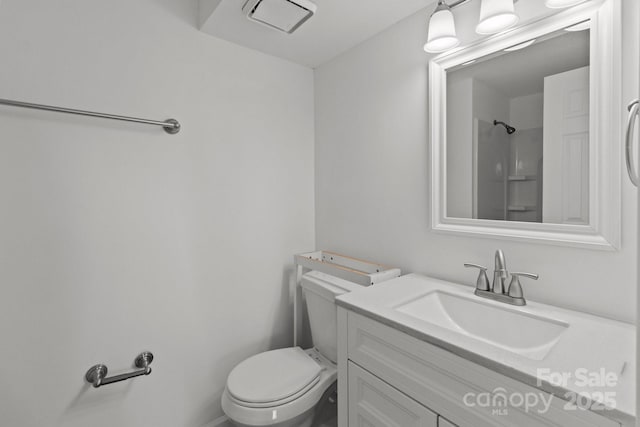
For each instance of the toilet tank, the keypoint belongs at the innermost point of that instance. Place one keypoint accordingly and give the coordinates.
(320, 291)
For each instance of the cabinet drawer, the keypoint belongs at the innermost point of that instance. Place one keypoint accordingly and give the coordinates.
(453, 386)
(374, 403)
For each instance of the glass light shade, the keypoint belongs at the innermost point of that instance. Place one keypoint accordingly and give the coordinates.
(442, 31)
(559, 4)
(495, 16)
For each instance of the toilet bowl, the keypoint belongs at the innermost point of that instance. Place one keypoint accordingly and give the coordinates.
(282, 388)
(279, 388)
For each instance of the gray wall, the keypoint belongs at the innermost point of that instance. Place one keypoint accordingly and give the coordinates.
(117, 237)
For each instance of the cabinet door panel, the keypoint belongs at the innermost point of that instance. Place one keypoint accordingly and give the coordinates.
(373, 403)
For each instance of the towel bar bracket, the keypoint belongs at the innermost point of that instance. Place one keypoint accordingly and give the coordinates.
(172, 126)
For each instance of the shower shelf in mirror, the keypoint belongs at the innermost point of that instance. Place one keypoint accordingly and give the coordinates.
(521, 208)
(522, 178)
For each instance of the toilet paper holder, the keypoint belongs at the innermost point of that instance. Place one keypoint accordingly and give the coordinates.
(97, 374)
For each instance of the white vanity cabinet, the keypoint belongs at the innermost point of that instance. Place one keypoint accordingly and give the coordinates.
(390, 378)
(375, 403)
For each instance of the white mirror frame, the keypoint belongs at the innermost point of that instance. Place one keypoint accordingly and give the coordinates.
(605, 130)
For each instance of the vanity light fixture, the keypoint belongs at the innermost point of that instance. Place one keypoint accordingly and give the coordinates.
(442, 29)
(495, 16)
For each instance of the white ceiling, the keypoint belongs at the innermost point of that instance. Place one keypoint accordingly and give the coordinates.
(337, 26)
(522, 72)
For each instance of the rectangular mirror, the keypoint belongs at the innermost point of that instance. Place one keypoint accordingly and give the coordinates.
(525, 131)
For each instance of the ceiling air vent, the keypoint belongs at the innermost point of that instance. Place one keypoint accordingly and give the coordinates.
(283, 15)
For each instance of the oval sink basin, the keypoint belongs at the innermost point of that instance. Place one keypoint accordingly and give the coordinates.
(506, 327)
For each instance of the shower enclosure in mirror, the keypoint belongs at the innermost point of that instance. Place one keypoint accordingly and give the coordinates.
(524, 131)
(518, 149)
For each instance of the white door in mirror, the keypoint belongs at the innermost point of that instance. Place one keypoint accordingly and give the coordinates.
(566, 148)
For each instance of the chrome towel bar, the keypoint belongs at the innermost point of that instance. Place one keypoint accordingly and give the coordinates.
(97, 374)
(170, 126)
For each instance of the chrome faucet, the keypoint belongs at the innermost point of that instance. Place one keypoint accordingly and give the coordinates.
(497, 291)
(500, 273)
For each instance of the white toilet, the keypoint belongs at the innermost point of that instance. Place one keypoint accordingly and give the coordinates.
(281, 388)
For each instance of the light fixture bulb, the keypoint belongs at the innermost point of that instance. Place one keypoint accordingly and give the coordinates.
(442, 30)
(560, 4)
(496, 16)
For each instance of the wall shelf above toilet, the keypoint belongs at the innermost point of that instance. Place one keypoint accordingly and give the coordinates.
(352, 269)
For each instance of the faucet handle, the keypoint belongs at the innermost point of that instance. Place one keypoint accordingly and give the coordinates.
(482, 283)
(515, 289)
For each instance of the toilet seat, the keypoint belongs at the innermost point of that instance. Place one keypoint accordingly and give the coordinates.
(290, 409)
(275, 402)
(273, 378)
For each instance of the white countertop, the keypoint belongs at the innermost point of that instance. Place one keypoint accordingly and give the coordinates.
(591, 344)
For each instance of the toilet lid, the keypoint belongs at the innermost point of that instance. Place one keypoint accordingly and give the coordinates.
(272, 376)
